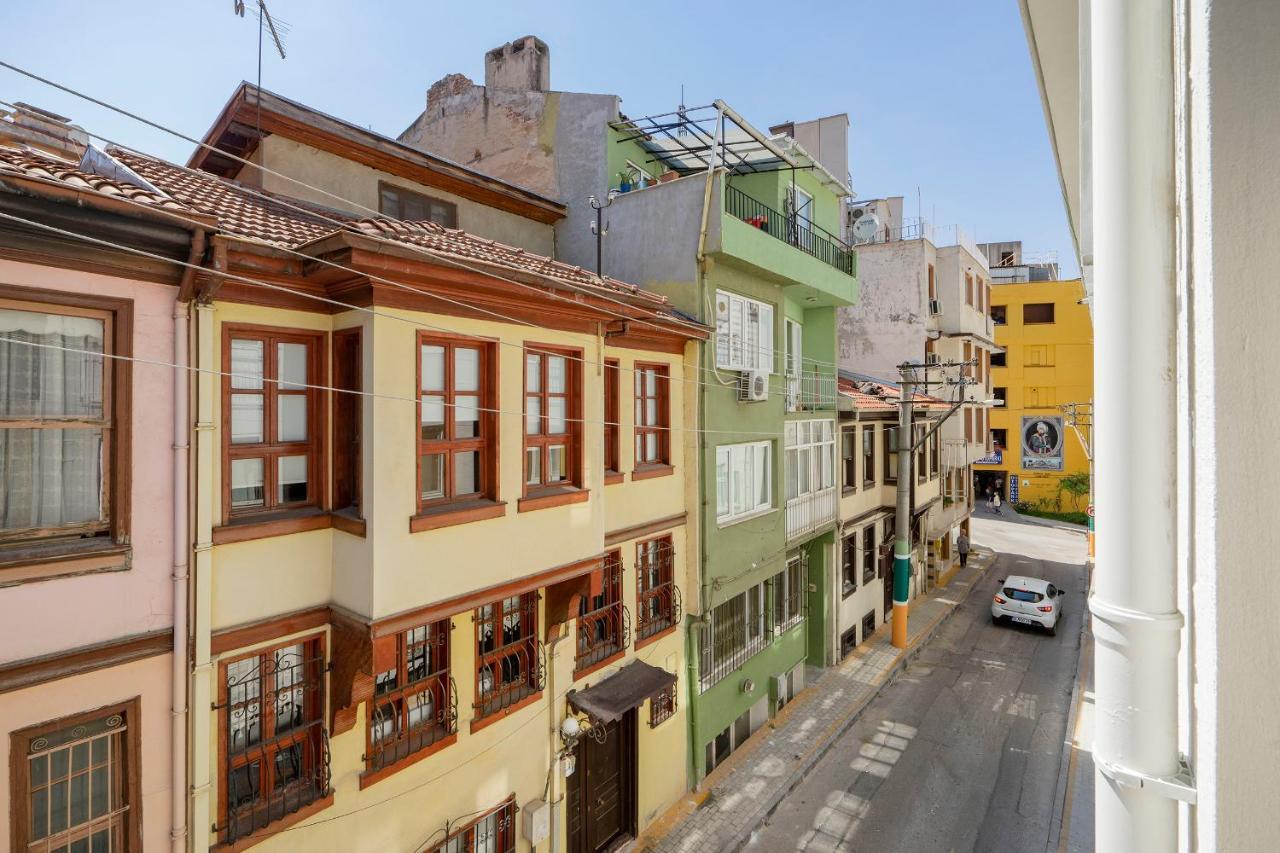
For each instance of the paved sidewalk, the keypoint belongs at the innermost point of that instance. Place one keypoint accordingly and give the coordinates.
(736, 798)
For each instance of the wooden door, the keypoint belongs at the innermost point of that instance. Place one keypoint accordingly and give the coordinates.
(601, 798)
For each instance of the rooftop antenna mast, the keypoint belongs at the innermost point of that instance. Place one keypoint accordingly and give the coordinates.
(279, 29)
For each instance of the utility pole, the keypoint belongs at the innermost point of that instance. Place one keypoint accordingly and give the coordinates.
(599, 228)
(912, 375)
(1080, 419)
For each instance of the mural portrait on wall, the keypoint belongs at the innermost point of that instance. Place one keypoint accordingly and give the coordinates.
(1042, 443)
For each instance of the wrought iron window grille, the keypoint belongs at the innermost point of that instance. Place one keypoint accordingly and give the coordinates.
(511, 661)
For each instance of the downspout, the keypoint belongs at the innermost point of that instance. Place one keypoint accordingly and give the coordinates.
(1136, 623)
(691, 644)
(554, 797)
(181, 549)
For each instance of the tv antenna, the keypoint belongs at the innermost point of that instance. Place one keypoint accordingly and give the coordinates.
(279, 29)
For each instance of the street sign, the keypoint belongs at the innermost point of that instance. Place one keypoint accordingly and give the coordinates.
(1089, 511)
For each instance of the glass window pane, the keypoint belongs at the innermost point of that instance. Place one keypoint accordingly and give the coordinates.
(466, 369)
(246, 364)
(651, 447)
(291, 484)
(533, 415)
(50, 477)
(99, 802)
(533, 466)
(532, 372)
(651, 382)
(793, 474)
(292, 417)
(722, 480)
(556, 415)
(50, 382)
(292, 366)
(58, 806)
(555, 374)
(432, 476)
(466, 417)
(557, 464)
(80, 796)
(246, 419)
(246, 483)
(101, 841)
(466, 473)
(432, 418)
(651, 411)
(432, 367)
(39, 814)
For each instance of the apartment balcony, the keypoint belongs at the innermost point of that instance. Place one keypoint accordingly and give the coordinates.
(814, 390)
(811, 512)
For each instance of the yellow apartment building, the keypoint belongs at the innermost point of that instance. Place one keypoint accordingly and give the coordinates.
(1047, 338)
(440, 529)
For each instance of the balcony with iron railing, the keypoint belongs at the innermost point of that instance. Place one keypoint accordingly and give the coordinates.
(812, 390)
(791, 229)
(658, 608)
(602, 633)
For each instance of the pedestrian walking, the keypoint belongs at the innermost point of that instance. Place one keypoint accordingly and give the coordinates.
(995, 501)
(990, 493)
(962, 545)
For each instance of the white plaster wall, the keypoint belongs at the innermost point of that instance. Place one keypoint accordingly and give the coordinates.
(887, 326)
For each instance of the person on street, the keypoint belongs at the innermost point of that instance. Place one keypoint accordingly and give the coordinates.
(995, 501)
(962, 545)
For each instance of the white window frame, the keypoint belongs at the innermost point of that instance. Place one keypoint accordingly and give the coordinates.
(733, 457)
(803, 208)
(640, 170)
(810, 454)
(744, 333)
(782, 586)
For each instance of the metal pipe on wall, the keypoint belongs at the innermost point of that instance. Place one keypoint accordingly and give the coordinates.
(1134, 604)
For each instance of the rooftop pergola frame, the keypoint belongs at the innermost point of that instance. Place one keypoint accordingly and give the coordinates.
(695, 139)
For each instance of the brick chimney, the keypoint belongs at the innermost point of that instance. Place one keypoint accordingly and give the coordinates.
(523, 65)
(42, 130)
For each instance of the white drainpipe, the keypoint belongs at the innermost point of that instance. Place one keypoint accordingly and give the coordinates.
(1134, 603)
(181, 548)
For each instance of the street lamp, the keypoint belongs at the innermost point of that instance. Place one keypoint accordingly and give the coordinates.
(913, 373)
(599, 228)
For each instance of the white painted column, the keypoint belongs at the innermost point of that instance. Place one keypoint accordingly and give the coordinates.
(1135, 622)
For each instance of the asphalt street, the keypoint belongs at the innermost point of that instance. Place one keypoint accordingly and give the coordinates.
(963, 751)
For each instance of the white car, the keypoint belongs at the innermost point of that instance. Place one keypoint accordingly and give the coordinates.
(1027, 601)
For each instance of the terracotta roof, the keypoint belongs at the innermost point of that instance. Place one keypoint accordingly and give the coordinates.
(25, 163)
(873, 395)
(280, 223)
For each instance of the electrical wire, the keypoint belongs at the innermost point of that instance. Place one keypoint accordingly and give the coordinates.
(201, 144)
(410, 288)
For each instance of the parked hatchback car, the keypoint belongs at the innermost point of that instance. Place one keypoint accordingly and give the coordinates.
(1027, 601)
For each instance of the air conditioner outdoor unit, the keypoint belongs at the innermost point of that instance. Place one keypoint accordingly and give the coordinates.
(932, 358)
(753, 386)
(935, 306)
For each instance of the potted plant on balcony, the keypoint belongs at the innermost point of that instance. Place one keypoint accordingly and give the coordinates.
(624, 181)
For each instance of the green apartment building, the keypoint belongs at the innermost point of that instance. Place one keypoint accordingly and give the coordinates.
(736, 227)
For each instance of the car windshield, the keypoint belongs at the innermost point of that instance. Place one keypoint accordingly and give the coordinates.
(1023, 594)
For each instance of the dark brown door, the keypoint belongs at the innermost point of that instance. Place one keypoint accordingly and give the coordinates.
(601, 800)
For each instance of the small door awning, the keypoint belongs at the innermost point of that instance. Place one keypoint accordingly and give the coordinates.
(620, 692)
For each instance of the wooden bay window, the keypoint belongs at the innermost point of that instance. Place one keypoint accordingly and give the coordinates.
(457, 428)
(552, 419)
(414, 700)
(272, 420)
(652, 415)
(274, 745)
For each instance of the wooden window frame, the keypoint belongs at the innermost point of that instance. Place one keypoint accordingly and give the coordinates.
(890, 454)
(506, 826)
(849, 464)
(870, 555)
(850, 564)
(571, 438)
(922, 453)
(868, 456)
(486, 444)
(501, 703)
(384, 186)
(604, 629)
(1003, 319)
(117, 415)
(612, 411)
(270, 450)
(348, 437)
(935, 455)
(316, 654)
(130, 774)
(665, 592)
(933, 285)
(392, 653)
(968, 289)
(642, 429)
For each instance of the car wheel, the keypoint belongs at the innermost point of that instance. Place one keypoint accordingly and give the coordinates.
(1053, 630)
(995, 620)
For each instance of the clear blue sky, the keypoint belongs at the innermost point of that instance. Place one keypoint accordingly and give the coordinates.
(940, 93)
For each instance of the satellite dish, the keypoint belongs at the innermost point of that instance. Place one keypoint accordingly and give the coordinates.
(865, 228)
